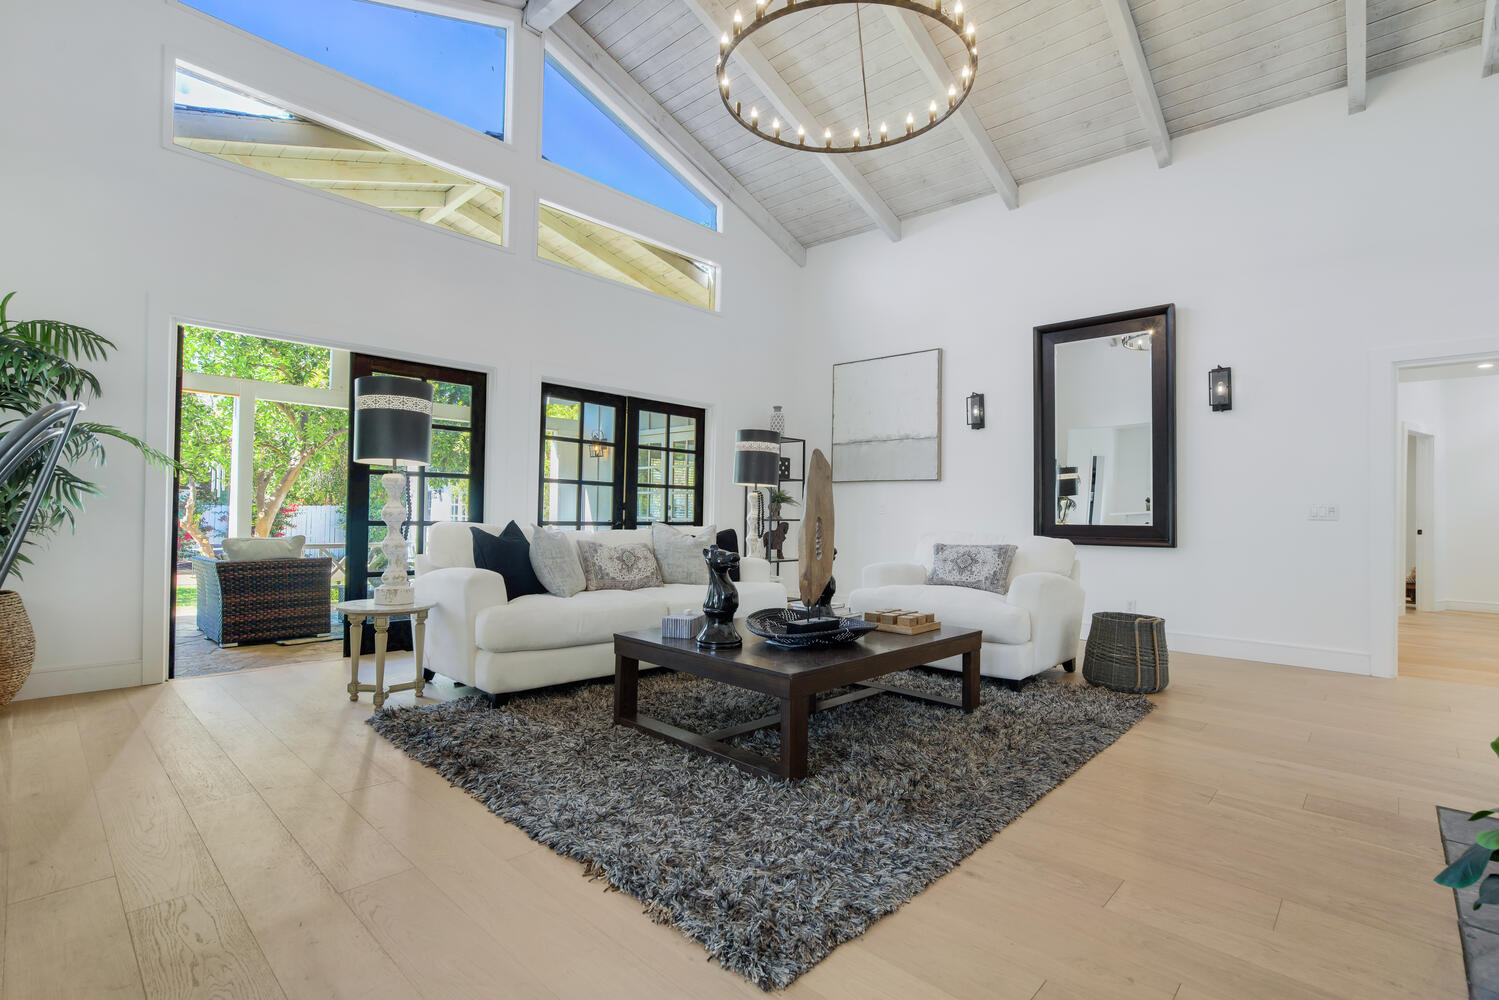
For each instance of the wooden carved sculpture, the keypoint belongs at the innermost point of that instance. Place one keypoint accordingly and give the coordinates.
(817, 531)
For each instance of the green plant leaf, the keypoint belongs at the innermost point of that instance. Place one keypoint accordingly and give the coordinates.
(1467, 869)
(1494, 746)
(1481, 814)
(1488, 892)
(1489, 839)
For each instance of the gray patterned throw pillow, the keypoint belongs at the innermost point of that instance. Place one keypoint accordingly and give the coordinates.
(554, 559)
(979, 567)
(681, 554)
(619, 567)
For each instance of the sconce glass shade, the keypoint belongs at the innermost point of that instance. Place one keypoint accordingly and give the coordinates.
(976, 411)
(757, 458)
(1221, 388)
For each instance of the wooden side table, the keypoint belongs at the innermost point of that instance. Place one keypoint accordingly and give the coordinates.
(380, 616)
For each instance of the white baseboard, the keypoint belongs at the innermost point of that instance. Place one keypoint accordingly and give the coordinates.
(1486, 607)
(1343, 661)
(45, 683)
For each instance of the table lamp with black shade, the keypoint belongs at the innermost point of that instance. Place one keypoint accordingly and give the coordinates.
(757, 463)
(1067, 481)
(393, 427)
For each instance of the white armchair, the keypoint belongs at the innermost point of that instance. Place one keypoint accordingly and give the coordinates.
(1033, 627)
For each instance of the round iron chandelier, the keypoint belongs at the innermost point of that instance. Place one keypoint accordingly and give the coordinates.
(805, 136)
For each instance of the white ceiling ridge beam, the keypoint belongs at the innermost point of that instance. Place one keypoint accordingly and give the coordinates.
(1356, 26)
(912, 31)
(763, 75)
(675, 134)
(1137, 72)
(1490, 45)
(540, 15)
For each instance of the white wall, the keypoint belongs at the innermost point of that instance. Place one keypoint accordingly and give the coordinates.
(1293, 243)
(1463, 415)
(108, 226)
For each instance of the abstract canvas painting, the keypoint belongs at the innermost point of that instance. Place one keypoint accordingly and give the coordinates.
(887, 418)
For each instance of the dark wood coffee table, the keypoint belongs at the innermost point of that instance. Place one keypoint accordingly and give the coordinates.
(795, 676)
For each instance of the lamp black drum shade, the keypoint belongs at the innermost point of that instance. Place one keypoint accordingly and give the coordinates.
(392, 421)
(1067, 481)
(757, 458)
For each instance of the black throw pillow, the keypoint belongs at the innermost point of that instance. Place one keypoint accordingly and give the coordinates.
(508, 554)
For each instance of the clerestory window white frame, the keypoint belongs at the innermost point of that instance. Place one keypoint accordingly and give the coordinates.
(641, 131)
(173, 63)
(476, 11)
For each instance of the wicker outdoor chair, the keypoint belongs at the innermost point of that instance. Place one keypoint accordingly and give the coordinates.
(260, 600)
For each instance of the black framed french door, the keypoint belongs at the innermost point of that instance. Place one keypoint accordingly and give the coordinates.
(614, 461)
(450, 488)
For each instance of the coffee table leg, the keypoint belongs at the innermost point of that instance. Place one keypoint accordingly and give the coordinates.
(626, 682)
(794, 736)
(970, 681)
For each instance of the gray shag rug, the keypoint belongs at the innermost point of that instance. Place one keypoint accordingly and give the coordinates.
(769, 875)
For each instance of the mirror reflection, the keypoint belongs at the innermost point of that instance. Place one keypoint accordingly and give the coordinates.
(1103, 464)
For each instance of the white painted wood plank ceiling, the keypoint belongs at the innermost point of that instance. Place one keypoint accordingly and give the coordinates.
(1052, 92)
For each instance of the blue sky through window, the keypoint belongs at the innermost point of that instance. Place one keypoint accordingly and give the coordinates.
(455, 68)
(579, 134)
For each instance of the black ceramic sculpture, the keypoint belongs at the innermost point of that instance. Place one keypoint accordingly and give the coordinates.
(722, 601)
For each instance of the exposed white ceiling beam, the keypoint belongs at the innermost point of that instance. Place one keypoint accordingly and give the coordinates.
(1137, 72)
(571, 34)
(458, 195)
(542, 14)
(1490, 47)
(1356, 26)
(763, 75)
(910, 29)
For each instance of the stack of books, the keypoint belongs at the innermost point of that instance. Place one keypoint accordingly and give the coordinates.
(682, 624)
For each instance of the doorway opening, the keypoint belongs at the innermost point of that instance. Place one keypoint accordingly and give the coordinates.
(1449, 431)
(271, 518)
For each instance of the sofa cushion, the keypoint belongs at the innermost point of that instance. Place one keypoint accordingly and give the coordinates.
(542, 621)
(1000, 620)
(508, 554)
(256, 549)
(980, 567)
(681, 554)
(554, 557)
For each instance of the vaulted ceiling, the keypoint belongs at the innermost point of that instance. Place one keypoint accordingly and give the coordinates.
(1061, 83)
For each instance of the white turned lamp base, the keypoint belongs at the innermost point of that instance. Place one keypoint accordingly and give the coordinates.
(395, 586)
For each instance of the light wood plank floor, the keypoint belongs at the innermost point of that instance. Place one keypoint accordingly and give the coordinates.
(1268, 832)
(1450, 646)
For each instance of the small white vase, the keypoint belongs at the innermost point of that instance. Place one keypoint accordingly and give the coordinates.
(778, 421)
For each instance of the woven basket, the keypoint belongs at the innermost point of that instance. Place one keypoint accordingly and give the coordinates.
(1126, 652)
(17, 645)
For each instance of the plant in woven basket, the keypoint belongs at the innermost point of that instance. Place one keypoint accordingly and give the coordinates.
(41, 362)
(1474, 862)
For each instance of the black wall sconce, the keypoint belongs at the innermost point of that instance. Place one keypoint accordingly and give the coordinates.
(976, 411)
(1221, 388)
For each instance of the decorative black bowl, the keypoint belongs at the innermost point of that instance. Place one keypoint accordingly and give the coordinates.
(770, 625)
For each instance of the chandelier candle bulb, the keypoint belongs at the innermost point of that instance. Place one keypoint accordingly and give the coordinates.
(910, 123)
(775, 127)
(957, 13)
(737, 112)
(856, 137)
(971, 31)
(755, 118)
(884, 133)
(723, 43)
(738, 22)
(952, 95)
(827, 137)
(759, 9)
(931, 114)
(801, 136)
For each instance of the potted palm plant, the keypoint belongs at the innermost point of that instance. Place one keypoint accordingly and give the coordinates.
(41, 364)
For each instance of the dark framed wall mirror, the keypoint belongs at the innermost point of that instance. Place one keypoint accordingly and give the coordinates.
(1106, 429)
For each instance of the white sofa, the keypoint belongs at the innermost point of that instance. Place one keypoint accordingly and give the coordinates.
(1034, 627)
(476, 635)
